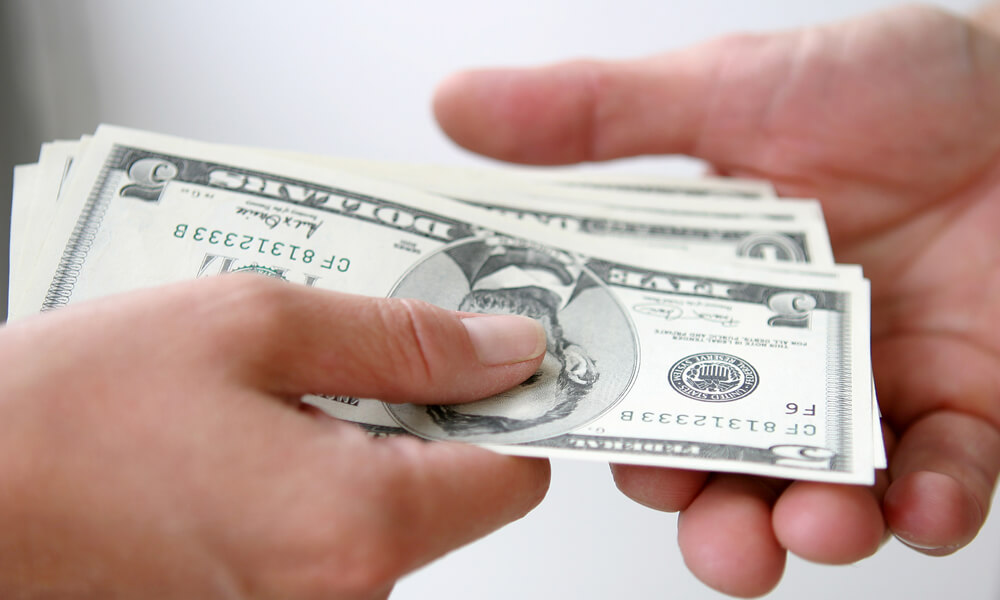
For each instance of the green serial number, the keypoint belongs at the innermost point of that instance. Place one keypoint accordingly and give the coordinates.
(699, 421)
(260, 245)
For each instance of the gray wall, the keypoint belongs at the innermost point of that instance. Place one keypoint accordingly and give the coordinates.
(48, 91)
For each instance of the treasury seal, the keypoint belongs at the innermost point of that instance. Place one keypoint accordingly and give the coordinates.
(713, 377)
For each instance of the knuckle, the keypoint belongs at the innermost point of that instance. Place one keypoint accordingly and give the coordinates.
(241, 310)
(366, 563)
(737, 44)
(359, 566)
(349, 578)
(343, 544)
(377, 572)
(411, 325)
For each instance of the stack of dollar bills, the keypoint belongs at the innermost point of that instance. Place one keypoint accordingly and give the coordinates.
(694, 323)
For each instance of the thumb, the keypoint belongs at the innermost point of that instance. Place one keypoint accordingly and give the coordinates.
(597, 110)
(295, 340)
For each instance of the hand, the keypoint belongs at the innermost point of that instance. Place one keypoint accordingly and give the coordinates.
(891, 121)
(152, 444)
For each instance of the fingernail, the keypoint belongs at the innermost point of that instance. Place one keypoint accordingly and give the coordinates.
(926, 548)
(505, 339)
(915, 545)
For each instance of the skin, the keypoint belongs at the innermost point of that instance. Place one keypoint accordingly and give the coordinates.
(890, 121)
(159, 449)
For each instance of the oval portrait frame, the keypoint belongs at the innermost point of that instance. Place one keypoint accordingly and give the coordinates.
(593, 351)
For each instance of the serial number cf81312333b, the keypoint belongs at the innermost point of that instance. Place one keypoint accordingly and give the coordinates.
(261, 245)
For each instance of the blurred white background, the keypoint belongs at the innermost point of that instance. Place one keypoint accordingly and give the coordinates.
(355, 79)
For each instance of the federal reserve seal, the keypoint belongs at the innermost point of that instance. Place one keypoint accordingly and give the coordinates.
(713, 377)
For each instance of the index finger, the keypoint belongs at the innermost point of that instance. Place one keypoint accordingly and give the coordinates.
(411, 501)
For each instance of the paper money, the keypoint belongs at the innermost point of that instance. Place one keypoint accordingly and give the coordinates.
(425, 175)
(36, 190)
(704, 187)
(602, 205)
(699, 198)
(25, 177)
(652, 359)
